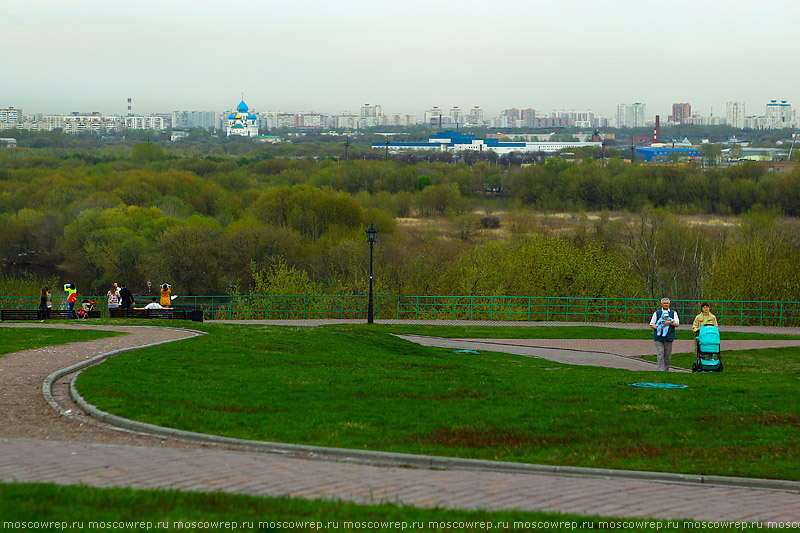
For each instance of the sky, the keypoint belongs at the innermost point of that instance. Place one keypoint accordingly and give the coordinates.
(58, 56)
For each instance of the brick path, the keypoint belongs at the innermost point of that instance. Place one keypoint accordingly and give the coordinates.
(97, 463)
(261, 474)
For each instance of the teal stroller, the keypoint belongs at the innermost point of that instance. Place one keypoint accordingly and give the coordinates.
(709, 357)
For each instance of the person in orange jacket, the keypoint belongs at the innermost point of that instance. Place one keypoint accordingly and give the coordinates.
(166, 300)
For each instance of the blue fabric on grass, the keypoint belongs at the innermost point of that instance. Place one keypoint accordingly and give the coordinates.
(659, 385)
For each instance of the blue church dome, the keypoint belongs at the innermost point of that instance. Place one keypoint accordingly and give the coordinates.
(242, 107)
(251, 116)
(232, 116)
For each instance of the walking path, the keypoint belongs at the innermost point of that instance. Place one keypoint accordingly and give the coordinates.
(37, 444)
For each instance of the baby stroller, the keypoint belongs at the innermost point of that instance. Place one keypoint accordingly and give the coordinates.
(709, 358)
(86, 306)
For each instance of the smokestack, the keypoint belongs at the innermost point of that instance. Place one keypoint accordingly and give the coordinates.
(657, 131)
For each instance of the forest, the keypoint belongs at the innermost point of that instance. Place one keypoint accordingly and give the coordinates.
(241, 218)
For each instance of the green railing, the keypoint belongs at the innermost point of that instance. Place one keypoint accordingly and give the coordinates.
(483, 308)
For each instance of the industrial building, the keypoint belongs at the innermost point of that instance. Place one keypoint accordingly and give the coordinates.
(452, 141)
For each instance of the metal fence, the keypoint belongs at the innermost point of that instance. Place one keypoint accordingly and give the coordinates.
(490, 308)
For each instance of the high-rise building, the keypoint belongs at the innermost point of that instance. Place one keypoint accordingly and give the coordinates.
(734, 114)
(779, 114)
(631, 115)
(150, 122)
(528, 117)
(10, 118)
(457, 115)
(680, 112)
(433, 117)
(206, 120)
(371, 115)
(475, 116)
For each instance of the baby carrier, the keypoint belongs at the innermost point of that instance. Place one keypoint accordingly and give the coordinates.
(709, 357)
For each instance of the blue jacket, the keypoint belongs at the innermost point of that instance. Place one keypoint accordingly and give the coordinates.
(657, 333)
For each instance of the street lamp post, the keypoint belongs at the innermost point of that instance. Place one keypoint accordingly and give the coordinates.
(371, 234)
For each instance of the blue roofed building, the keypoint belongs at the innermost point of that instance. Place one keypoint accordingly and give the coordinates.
(453, 141)
(654, 154)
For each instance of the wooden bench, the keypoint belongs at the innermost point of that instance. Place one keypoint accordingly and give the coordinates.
(36, 314)
(176, 314)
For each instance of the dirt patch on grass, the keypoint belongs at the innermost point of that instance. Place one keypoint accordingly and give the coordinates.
(247, 409)
(768, 419)
(488, 438)
(453, 395)
(431, 367)
(574, 400)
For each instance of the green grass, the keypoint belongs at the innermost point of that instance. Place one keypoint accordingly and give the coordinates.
(17, 339)
(78, 507)
(359, 387)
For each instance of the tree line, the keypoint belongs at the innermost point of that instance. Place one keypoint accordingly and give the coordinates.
(222, 223)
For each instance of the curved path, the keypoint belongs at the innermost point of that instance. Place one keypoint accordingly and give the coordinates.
(39, 445)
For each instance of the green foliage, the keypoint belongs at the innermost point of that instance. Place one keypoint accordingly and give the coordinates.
(146, 153)
(760, 263)
(309, 211)
(199, 213)
(423, 181)
(26, 284)
(283, 279)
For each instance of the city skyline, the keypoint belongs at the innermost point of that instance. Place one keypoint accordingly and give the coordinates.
(84, 55)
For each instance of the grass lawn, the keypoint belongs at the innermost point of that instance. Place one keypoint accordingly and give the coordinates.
(16, 339)
(359, 387)
(557, 332)
(186, 511)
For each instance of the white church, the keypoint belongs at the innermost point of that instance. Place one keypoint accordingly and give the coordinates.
(241, 122)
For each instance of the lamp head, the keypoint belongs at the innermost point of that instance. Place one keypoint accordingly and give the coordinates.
(371, 233)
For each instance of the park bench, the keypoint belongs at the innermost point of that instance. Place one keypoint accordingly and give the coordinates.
(176, 314)
(35, 314)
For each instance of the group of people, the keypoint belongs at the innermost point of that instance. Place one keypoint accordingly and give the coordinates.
(119, 297)
(665, 320)
(46, 302)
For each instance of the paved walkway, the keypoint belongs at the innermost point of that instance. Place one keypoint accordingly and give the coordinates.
(146, 463)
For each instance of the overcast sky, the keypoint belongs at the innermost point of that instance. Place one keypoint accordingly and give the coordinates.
(329, 56)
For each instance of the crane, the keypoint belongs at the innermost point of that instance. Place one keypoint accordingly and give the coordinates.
(791, 148)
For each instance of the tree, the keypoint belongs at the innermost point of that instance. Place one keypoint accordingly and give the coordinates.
(186, 254)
